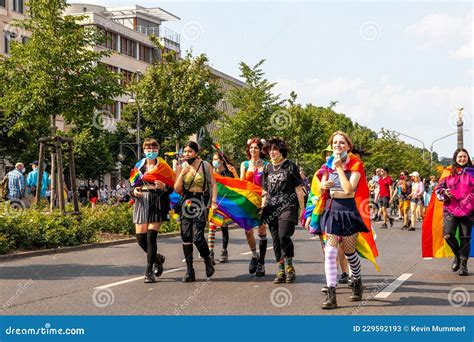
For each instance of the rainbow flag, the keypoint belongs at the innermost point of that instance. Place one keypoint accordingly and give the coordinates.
(315, 204)
(219, 218)
(239, 200)
(162, 172)
(365, 244)
(433, 245)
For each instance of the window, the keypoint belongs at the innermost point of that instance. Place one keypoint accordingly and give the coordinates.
(145, 53)
(128, 47)
(127, 77)
(18, 6)
(2, 3)
(109, 40)
(7, 40)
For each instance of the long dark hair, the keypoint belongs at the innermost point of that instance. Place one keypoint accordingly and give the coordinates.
(193, 145)
(455, 164)
(223, 158)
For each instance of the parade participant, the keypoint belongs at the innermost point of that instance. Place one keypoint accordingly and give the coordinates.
(403, 189)
(457, 191)
(223, 167)
(152, 181)
(416, 197)
(430, 184)
(283, 196)
(252, 171)
(343, 177)
(385, 195)
(197, 186)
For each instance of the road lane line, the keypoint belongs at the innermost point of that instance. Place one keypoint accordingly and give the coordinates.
(134, 279)
(248, 253)
(393, 286)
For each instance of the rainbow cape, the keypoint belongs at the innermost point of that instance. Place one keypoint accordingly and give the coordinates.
(315, 204)
(365, 244)
(433, 245)
(163, 172)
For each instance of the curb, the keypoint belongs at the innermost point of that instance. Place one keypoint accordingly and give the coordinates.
(60, 250)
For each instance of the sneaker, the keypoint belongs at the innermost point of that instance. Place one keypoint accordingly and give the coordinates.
(253, 265)
(384, 226)
(390, 220)
(291, 275)
(344, 278)
(260, 272)
(224, 256)
(280, 278)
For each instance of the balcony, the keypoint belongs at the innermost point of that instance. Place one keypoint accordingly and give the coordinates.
(161, 32)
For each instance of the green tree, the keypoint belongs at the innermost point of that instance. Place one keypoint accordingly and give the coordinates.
(176, 97)
(259, 112)
(56, 73)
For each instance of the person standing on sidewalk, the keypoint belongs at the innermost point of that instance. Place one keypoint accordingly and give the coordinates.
(152, 181)
(16, 183)
(385, 195)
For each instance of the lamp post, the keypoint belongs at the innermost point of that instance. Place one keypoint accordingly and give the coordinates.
(133, 100)
(422, 143)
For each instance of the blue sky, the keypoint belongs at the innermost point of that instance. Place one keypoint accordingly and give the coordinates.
(404, 66)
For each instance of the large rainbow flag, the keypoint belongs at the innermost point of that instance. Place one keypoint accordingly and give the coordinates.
(433, 245)
(237, 199)
(365, 244)
(162, 172)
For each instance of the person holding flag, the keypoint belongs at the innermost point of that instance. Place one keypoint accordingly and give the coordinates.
(345, 216)
(456, 191)
(152, 182)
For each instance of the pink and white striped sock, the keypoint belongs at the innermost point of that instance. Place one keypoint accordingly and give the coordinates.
(330, 266)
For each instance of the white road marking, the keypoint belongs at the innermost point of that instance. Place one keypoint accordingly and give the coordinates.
(134, 279)
(248, 253)
(393, 286)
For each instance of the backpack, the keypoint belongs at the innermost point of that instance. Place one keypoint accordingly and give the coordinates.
(4, 189)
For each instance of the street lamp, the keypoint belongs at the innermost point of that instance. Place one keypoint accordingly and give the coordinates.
(431, 147)
(133, 100)
(422, 143)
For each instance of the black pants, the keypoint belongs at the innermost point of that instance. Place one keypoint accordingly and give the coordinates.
(450, 226)
(282, 228)
(195, 225)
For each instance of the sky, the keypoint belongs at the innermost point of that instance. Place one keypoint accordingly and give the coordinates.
(405, 66)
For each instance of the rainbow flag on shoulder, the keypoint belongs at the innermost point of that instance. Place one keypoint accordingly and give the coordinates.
(162, 172)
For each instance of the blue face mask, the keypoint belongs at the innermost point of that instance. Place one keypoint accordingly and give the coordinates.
(343, 154)
(216, 164)
(151, 155)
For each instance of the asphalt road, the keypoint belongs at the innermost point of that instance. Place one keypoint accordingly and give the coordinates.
(109, 281)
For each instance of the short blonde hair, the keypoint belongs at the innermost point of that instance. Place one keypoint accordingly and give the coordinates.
(346, 138)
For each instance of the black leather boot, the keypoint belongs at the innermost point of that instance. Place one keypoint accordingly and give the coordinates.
(149, 276)
(357, 290)
(209, 266)
(456, 264)
(330, 302)
(158, 265)
(463, 268)
(188, 255)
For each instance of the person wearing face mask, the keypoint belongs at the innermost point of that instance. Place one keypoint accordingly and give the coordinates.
(224, 168)
(456, 191)
(152, 182)
(252, 171)
(16, 183)
(343, 179)
(283, 195)
(197, 186)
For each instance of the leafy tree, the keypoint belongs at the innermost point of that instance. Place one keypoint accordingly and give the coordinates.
(56, 73)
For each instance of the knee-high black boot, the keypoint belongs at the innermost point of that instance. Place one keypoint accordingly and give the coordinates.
(188, 255)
